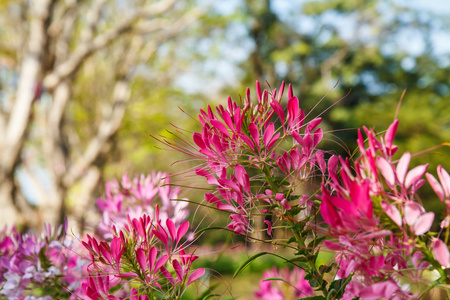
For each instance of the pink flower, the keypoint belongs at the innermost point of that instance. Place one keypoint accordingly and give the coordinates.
(137, 197)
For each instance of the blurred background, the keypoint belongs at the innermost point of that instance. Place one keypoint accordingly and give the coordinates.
(83, 83)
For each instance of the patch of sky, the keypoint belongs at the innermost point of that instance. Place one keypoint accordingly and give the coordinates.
(440, 7)
(408, 63)
(291, 13)
(407, 38)
(225, 51)
(372, 83)
(411, 41)
(281, 68)
(224, 8)
(441, 42)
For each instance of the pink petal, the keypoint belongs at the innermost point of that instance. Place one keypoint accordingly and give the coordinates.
(198, 140)
(226, 207)
(390, 133)
(227, 119)
(162, 236)
(210, 198)
(285, 204)
(321, 161)
(392, 212)
(318, 136)
(412, 212)
(437, 188)
(359, 193)
(101, 284)
(126, 275)
(152, 258)
(329, 213)
(440, 253)
(293, 111)
(209, 177)
(254, 133)
(313, 124)
(273, 141)
(196, 275)
(445, 180)
(269, 227)
(219, 125)
(178, 269)
(182, 230)
(360, 142)
(161, 261)
(133, 294)
(414, 175)
(268, 134)
(278, 109)
(386, 170)
(171, 227)
(402, 167)
(140, 256)
(258, 91)
(248, 141)
(138, 227)
(297, 137)
(424, 223)
(332, 164)
(242, 177)
(167, 274)
(105, 252)
(116, 249)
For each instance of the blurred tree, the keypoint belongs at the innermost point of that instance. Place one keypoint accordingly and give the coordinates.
(374, 48)
(67, 70)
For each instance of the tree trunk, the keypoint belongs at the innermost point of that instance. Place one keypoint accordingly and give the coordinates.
(18, 122)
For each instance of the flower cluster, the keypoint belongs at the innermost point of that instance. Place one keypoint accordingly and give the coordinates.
(144, 258)
(39, 267)
(261, 159)
(139, 196)
(376, 220)
(255, 167)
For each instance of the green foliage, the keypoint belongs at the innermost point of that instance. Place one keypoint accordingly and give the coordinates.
(248, 262)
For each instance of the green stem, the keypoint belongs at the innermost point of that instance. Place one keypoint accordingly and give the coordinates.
(446, 235)
(312, 270)
(272, 184)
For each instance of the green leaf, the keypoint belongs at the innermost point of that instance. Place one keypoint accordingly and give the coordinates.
(313, 283)
(247, 262)
(315, 298)
(45, 262)
(291, 240)
(274, 278)
(338, 287)
(323, 269)
(316, 242)
(207, 294)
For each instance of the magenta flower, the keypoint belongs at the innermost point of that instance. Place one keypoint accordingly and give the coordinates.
(238, 141)
(139, 255)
